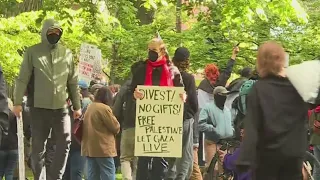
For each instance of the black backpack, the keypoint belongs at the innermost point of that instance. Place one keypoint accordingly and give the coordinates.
(4, 127)
(238, 121)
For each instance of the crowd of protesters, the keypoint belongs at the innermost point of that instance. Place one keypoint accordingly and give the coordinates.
(272, 123)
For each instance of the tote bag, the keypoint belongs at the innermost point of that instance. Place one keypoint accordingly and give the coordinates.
(77, 127)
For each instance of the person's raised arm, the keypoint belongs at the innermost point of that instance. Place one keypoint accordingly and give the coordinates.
(22, 82)
(226, 73)
(252, 125)
(72, 85)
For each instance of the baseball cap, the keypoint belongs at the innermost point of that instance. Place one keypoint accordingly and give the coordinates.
(220, 90)
(181, 54)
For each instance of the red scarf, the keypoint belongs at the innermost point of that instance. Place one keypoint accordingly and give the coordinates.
(316, 110)
(165, 79)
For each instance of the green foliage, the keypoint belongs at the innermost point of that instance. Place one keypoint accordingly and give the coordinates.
(114, 27)
(16, 34)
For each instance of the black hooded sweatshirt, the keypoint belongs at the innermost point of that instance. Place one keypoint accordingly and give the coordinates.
(10, 141)
(4, 109)
(275, 123)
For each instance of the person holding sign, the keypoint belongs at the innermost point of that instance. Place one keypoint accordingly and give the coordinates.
(50, 70)
(156, 71)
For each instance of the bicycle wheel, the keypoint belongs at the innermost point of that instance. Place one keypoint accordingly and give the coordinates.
(312, 159)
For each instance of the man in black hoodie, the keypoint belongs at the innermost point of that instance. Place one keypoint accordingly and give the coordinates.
(184, 164)
(4, 110)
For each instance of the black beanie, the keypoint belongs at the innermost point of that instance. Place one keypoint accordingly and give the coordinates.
(181, 54)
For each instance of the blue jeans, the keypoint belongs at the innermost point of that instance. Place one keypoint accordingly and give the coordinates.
(101, 168)
(316, 171)
(8, 163)
(77, 165)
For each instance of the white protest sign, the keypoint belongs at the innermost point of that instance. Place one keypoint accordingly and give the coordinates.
(159, 121)
(305, 77)
(89, 62)
(20, 134)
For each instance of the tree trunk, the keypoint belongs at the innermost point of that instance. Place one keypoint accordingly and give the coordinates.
(178, 16)
(114, 63)
(25, 6)
(30, 5)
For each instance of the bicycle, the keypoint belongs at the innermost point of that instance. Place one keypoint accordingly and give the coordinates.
(220, 174)
(310, 158)
(211, 173)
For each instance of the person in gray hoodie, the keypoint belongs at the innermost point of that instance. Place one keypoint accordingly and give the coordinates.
(49, 67)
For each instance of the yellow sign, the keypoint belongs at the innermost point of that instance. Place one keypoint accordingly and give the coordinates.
(159, 121)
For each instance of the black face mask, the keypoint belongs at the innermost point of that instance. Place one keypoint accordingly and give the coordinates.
(220, 101)
(53, 38)
(153, 56)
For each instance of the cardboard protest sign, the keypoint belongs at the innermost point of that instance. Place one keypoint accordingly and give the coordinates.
(89, 62)
(159, 121)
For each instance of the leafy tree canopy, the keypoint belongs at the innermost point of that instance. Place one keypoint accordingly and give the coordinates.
(122, 28)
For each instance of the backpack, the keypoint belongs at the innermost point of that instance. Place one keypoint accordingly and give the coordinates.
(240, 105)
(244, 91)
(314, 122)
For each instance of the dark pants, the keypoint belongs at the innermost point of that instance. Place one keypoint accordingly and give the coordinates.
(49, 154)
(8, 163)
(181, 168)
(278, 168)
(151, 168)
(75, 166)
(42, 121)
